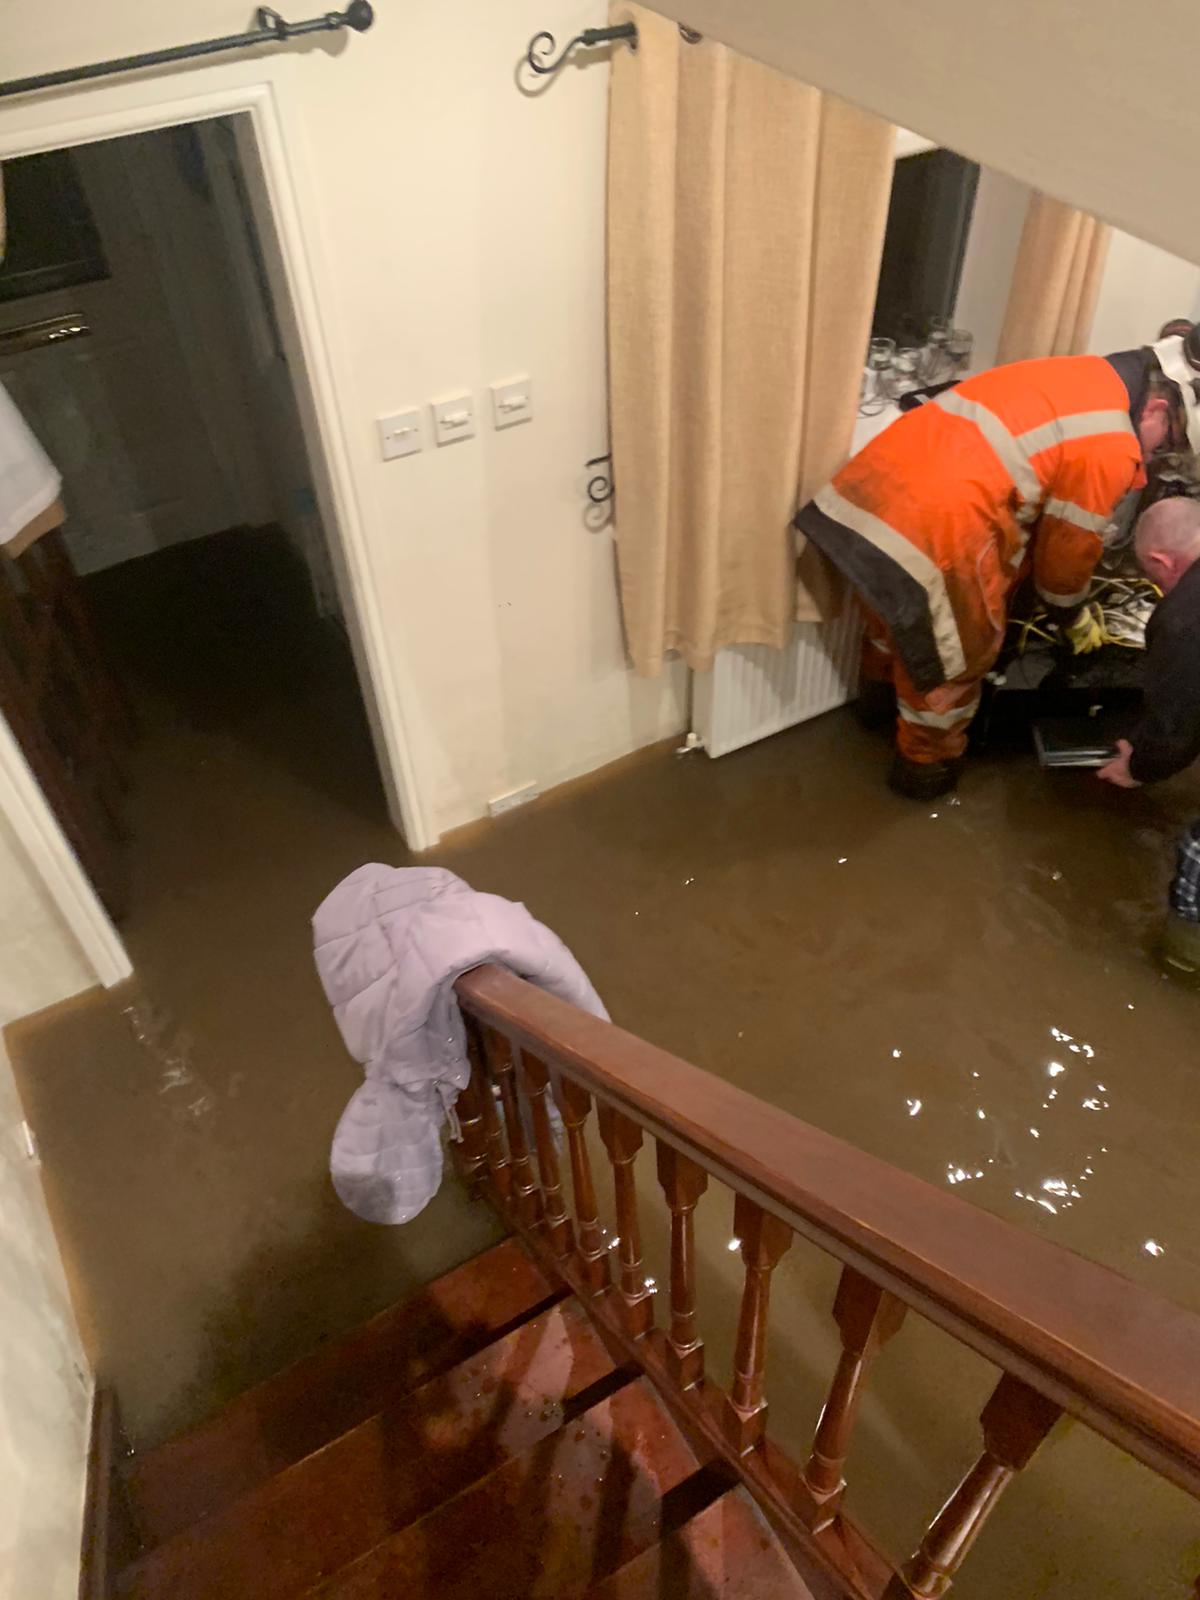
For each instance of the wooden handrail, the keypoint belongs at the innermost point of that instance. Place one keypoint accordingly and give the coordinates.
(1116, 1355)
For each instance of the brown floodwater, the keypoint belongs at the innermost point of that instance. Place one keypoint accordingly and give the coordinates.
(962, 988)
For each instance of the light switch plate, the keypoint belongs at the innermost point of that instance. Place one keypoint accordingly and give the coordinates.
(401, 435)
(512, 402)
(454, 419)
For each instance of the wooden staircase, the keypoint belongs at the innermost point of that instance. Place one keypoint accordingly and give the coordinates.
(480, 1440)
(530, 1426)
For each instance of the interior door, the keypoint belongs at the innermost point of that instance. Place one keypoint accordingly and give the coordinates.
(111, 402)
(240, 202)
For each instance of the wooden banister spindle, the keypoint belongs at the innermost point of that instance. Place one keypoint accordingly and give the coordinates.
(623, 1139)
(867, 1317)
(527, 1198)
(574, 1104)
(683, 1182)
(495, 1151)
(1015, 1422)
(536, 1079)
(763, 1238)
(470, 1148)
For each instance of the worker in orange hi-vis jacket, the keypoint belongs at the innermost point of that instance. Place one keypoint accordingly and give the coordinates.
(936, 521)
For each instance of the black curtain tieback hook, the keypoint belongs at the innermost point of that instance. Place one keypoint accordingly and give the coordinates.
(542, 46)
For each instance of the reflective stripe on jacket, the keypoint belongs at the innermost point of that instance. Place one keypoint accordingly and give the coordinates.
(932, 520)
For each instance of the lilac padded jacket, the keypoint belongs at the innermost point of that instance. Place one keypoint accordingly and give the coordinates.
(389, 943)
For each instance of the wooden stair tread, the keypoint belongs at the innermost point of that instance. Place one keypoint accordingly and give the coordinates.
(551, 1522)
(320, 1514)
(726, 1552)
(300, 1410)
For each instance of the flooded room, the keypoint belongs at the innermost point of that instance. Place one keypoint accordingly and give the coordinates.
(599, 830)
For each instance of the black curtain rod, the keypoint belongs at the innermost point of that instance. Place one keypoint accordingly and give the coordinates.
(271, 29)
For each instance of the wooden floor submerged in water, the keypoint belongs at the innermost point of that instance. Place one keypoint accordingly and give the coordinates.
(962, 988)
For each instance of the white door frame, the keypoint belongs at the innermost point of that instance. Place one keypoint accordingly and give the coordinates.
(37, 125)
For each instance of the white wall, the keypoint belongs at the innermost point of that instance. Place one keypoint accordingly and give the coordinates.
(458, 227)
(1142, 288)
(991, 254)
(1093, 103)
(40, 963)
(44, 1387)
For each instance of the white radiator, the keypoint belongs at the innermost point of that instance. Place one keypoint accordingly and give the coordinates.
(754, 691)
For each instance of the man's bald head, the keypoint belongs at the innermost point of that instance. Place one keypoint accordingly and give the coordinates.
(1167, 540)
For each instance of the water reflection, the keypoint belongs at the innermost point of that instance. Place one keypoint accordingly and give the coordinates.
(956, 946)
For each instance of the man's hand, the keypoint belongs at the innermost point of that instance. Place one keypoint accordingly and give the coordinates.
(1117, 771)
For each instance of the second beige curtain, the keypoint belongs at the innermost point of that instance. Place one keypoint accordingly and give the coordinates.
(746, 220)
(1056, 282)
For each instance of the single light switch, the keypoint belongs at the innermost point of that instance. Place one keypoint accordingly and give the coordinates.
(400, 435)
(454, 419)
(512, 402)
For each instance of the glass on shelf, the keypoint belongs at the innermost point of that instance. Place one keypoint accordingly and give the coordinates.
(904, 376)
(935, 362)
(959, 347)
(874, 396)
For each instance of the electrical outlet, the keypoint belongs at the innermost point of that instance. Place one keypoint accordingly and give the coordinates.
(510, 802)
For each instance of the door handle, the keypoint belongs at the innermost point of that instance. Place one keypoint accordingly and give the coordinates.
(49, 330)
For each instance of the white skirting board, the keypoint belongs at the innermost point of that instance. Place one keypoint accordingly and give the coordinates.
(754, 691)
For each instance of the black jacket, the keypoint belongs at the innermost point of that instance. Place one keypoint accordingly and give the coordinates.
(1167, 736)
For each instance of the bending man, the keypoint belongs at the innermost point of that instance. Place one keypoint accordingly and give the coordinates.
(940, 517)
(1166, 739)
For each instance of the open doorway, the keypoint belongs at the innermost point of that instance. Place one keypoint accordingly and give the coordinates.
(237, 627)
(181, 649)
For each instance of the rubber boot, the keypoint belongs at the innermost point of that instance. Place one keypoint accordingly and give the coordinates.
(876, 704)
(1179, 948)
(923, 780)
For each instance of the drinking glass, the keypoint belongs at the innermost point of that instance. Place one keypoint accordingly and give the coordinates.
(874, 394)
(904, 376)
(958, 348)
(935, 364)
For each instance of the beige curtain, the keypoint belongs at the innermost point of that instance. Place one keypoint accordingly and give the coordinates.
(1056, 281)
(746, 219)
